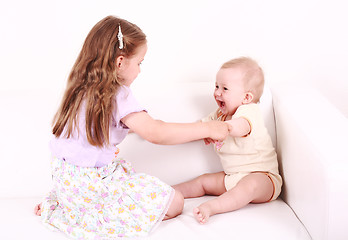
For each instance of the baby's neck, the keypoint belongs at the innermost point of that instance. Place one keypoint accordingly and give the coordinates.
(228, 117)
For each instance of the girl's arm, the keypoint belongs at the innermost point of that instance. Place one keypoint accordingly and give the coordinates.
(160, 132)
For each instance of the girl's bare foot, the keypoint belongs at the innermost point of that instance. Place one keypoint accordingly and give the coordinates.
(202, 214)
(37, 210)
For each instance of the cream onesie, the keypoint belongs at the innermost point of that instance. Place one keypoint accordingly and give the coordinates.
(241, 156)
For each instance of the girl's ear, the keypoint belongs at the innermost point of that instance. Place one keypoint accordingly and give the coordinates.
(248, 98)
(119, 61)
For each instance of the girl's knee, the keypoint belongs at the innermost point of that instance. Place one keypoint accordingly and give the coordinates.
(178, 201)
(176, 206)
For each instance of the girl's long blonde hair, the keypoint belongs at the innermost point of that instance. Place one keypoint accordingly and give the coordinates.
(93, 79)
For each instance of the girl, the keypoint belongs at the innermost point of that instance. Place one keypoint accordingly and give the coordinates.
(95, 193)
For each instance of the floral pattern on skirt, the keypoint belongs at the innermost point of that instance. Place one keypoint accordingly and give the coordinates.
(104, 203)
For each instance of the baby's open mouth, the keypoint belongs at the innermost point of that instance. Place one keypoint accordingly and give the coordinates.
(221, 104)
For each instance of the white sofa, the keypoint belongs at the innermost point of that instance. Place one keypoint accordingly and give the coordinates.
(310, 135)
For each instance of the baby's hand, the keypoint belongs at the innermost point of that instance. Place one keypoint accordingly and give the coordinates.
(208, 141)
(218, 131)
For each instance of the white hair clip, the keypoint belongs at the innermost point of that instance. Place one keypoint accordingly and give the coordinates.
(120, 37)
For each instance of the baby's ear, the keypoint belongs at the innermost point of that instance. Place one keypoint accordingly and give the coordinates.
(248, 98)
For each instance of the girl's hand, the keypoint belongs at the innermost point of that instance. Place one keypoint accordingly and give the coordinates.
(218, 131)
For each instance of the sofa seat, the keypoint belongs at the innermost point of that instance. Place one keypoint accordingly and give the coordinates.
(274, 220)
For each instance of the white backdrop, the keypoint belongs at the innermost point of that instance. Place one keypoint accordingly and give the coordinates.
(303, 41)
(295, 41)
(299, 41)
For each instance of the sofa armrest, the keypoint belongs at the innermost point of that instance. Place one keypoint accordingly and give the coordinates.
(312, 142)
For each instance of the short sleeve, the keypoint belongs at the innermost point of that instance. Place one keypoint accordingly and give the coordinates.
(126, 103)
(251, 112)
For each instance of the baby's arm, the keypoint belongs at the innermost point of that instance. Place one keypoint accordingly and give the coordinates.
(160, 132)
(239, 127)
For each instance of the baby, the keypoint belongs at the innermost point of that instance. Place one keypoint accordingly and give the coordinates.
(247, 155)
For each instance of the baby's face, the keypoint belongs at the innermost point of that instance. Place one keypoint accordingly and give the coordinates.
(229, 90)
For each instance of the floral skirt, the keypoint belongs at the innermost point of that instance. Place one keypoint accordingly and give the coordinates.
(104, 203)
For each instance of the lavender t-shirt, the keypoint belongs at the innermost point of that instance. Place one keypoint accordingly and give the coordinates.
(78, 151)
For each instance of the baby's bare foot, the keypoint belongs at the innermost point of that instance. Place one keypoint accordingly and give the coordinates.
(202, 214)
(37, 210)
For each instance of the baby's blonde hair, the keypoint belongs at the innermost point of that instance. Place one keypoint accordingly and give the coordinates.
(253, 75)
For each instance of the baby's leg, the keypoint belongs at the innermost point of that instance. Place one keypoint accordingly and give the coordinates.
(210, 184)
(256, 188)
(176, 206)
